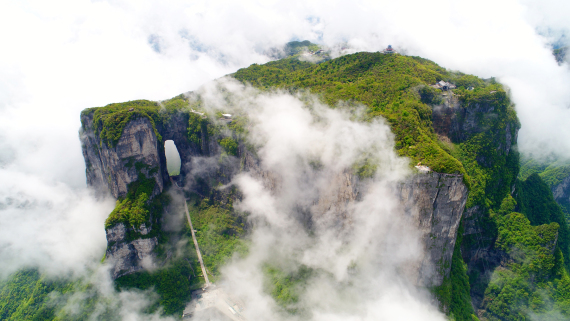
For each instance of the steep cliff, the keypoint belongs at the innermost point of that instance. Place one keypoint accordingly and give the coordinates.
(502, 248)
(434, 200)
(138, 151)
(561, 192)
(129, 257)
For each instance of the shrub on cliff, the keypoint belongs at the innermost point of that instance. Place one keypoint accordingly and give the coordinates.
(132, 212)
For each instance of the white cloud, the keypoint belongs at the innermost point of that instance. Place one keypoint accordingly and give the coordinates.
(363, 250)
(60, 57)
(48, 225)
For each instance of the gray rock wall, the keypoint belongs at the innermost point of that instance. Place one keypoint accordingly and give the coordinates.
(113, 169)
(128, 257)
(435, 201)
(561, 193)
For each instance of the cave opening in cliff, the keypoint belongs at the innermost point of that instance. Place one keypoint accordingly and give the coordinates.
(172, 158)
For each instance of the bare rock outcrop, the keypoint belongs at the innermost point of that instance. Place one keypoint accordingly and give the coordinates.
(114, 168)
(561, 192)
(128, 257)
(436, 202)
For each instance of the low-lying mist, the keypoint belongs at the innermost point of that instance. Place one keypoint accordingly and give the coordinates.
(354, 253)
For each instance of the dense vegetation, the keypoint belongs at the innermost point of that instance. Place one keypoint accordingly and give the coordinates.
(387, 84)
(527, 266)
(454, 293)
(25, 296)
(285, 287)
(295, 47)
(173, 284)
(29, 295)
(110, 121)
(533, 280)
(552, 172)
(535, 200)
(218, 232)
(135, 209)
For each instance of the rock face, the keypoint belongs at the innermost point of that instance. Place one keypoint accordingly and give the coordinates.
(488, 127)
(108, 169)
(128, 257)
(458, 122)
(435, 201)
(561, 192)
(138, 151)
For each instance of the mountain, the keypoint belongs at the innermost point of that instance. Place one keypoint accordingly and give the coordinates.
(493, 246)
(555, 174)
(560, 54)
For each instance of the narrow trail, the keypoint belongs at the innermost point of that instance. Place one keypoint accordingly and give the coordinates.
(196, 245)
(202, 266)
(210, 296)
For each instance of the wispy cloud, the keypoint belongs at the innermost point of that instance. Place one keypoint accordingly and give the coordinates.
(60, 57)
(363, 251)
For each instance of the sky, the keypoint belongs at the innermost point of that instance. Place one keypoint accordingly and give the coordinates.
(59, 57)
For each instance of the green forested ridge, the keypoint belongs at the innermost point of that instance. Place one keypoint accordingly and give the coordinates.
(24, 296)
(532, 280)
(28, 295)
(552, 172)
(535, 200)
(295, 47)
(387, 84)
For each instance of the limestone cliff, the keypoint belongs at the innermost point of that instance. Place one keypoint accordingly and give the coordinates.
(561, 192)
(128, 257)
(482, 127)
(435, 201)
(113, 169)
